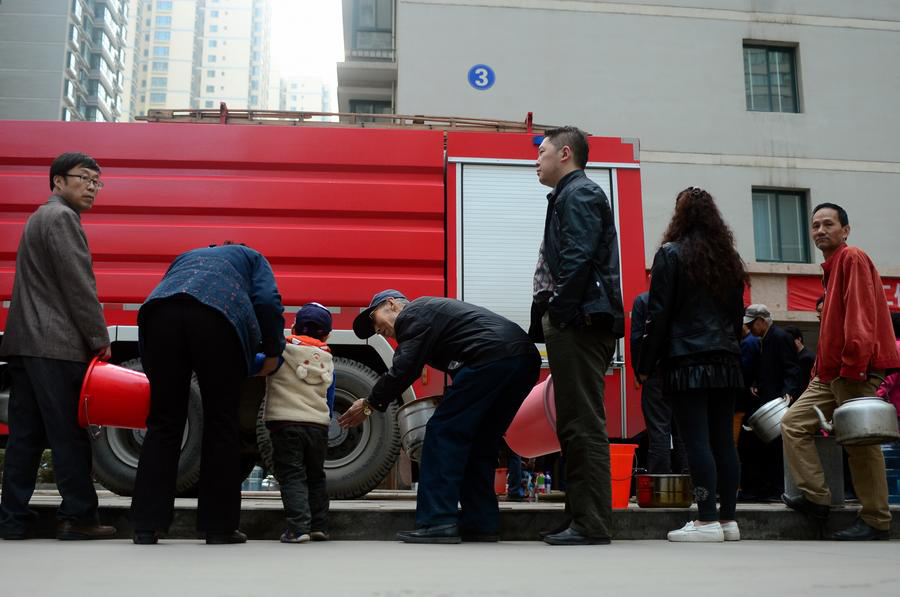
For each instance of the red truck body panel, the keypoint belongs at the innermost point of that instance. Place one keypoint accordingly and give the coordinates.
(339, 212)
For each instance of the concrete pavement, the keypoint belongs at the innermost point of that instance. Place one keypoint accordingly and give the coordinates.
(360, 568)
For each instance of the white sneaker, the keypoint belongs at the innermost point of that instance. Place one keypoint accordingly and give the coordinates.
(731, 531)
(710, 533)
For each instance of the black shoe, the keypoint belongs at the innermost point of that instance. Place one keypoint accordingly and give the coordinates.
(319, 535)
(804, 506)
(861, 531)
(555, 531)
(16, 534)
(441, 533)
(572, 537)
(225, 538)
(74, 531)
(145, 538)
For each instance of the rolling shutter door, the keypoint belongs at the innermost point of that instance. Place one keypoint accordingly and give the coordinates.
(503, 210)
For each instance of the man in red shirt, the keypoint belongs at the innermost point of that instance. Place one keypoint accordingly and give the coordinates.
(856, 347)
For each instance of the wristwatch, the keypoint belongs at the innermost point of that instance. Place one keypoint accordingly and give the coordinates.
(367, 410)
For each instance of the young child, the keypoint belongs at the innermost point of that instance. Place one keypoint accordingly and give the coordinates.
(299, 399)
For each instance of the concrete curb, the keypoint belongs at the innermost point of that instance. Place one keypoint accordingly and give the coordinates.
(381, 519)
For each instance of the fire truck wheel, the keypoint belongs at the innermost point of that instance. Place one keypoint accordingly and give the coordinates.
(358, 459)
(116, 450)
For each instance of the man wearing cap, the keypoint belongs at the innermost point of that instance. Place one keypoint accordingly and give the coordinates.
(856, 348)
(777, 375)
(493, 364)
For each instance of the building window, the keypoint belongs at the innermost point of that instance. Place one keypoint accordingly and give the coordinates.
(254, 99)
(161, 51)
(780, 226)
(157, 98)
(163, 21)
(370, 107)
(209, 103)
(214, 13)
(164, 5)
(160, 66)
(770, 78)
(158, 81)
(213, 43)
(210, 89)
(210, 73)
(254, 84)
(162, 35)
(211, 58)
(373, 24)
(213, 28)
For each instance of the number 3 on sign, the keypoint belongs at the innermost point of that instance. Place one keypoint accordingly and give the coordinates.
(481, 77)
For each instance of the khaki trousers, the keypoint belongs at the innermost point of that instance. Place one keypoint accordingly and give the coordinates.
(798, 428)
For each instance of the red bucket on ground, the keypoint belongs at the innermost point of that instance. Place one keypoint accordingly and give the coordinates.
(532, 432)
(114, 396)
(500, 475)
(621, 460)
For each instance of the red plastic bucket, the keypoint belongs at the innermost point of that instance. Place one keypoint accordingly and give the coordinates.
(500, 475)
(621, 460)
(114, 396)
(532, 432)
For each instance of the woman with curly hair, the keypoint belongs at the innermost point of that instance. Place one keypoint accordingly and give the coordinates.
(692, 335)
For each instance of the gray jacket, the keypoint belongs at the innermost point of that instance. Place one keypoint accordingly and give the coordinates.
(54, 312)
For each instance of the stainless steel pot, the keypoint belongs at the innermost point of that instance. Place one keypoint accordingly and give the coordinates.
(412, 418)
(766, 421)
(863, 421)
(665, 491)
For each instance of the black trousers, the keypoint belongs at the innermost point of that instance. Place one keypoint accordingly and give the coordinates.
(181, 336)
(579, 358)
(705, 419)
(43, 411)
(462, 441)
(665, 452)
(299, 459)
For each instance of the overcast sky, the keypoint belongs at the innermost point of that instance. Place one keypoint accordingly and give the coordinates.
(307, 38)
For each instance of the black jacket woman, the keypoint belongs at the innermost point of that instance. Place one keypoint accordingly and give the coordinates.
(692, 336)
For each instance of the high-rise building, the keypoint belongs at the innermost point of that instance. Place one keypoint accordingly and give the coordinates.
(367, 79)
(198, 53)
(62, 59)
(303, 93)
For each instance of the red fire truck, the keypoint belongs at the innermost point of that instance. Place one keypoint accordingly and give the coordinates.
(442, 207)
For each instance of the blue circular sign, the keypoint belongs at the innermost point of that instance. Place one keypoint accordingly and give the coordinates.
(481, 77)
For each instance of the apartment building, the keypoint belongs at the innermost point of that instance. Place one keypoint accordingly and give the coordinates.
(773, 106)
(63, 59)
(198, 53)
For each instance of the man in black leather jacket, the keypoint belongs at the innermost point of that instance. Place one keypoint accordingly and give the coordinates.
(578, 312)
(493, 364)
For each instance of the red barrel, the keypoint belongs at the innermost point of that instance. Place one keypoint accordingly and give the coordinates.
(114, 396)
(532, 432)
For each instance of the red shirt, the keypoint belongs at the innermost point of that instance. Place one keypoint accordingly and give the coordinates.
(856, 334)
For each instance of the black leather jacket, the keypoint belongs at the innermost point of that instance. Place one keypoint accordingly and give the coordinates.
(682, 318)
(582, 251)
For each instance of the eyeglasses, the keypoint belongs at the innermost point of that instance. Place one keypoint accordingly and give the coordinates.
(87, 180)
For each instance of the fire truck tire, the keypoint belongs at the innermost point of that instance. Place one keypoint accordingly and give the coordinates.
(116, 450)
(358, 459)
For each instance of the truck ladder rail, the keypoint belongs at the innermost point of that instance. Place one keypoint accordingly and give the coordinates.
(224, 115)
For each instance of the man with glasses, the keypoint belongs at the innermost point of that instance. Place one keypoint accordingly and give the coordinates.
(493, 364)
(54, 328)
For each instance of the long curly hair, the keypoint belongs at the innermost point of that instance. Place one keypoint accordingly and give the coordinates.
(707, 244)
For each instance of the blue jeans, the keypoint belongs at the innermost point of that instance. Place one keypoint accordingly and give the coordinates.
(462, 441)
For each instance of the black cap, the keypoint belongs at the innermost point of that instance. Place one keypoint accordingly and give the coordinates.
(362, 325)
(313, 320)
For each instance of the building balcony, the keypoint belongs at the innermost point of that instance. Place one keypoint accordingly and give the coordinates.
(388, 54)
